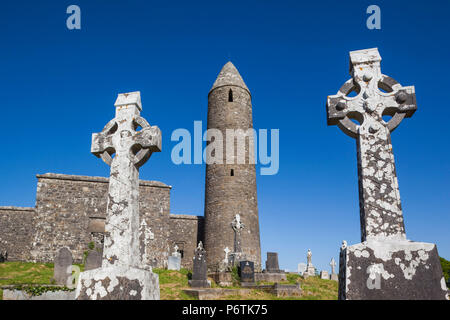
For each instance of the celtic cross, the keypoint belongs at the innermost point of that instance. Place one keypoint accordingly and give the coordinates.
(124, 148)
(377, 95)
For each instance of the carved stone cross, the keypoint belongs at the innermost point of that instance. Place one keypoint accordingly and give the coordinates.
(377, 95)
(132, 148)
(333, 265)
(237, 226)
(227, 251)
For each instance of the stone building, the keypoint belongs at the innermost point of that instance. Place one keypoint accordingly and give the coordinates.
(231, 188)
(70, 210)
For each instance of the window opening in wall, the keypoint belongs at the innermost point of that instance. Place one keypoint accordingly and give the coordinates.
(230, 96)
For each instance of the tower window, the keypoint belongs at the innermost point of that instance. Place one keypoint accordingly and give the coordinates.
(230, 96)
(232, 173)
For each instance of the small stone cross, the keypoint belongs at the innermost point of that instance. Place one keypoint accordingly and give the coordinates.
(132, 148)
(227, 251)
(237, 226)
(333, 265)
(377, 95)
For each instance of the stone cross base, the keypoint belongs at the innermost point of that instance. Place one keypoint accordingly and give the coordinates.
(222, 278)
(270, 277)
(118, 283)
(200, 283)
(310, 271)
(334, 277)
(389, 270)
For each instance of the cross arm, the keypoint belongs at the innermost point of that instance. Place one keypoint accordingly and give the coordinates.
(102, 144)
(146, 141)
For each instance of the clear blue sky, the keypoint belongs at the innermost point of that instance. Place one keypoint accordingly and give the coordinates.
(58, 86)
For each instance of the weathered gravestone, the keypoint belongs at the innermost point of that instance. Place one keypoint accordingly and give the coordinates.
(385, 265)
(199, 274)
(324, 275)
(301, 268)
(62, 270)
(123, 274)
(93, 260)
(247, 271)
(272, 263)
(174, 262)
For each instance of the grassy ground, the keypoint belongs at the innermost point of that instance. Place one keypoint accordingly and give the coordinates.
(25, 273)
(171, 283)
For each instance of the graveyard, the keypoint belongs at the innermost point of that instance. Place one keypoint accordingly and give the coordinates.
(106, 195)
(36, 278)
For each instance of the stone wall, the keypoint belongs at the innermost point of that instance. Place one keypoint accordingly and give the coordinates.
(71, 210)
(186, 231)
(16, 232)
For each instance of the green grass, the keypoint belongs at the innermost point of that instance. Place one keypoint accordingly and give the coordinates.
(171, 283)
(19, 273)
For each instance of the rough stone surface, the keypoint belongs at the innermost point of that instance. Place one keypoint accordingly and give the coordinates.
(16, 232)
(381, 269)
(62, 270)
(71, 211)
(231, 188)
(186, 231)
(122, 275)
(385, 265)
(118, 283)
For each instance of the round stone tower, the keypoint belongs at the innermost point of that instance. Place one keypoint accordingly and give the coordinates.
(230, 188)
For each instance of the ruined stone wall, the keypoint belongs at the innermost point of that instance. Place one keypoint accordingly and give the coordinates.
(16, 231)
(185, 232)
(71, 211)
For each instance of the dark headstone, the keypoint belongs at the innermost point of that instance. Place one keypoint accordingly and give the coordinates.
(63, 266)
(3, 256)
(93, 260)
(272, 262)
(199, 276)
(247, 271)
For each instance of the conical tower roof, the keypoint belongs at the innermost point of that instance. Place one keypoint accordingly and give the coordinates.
(229, 76)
